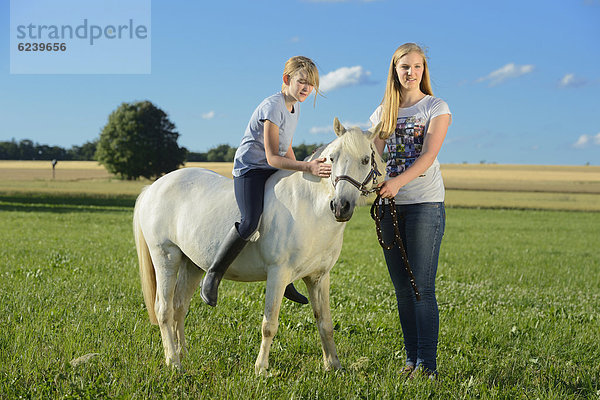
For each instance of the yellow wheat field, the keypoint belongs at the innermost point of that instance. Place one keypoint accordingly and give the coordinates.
(76, 170)
(469, 185)
(530, 178)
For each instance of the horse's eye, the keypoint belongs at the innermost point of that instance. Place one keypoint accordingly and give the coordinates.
(331, 159)
(365, 161)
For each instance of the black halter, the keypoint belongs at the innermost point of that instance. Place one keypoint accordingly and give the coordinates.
(373, 174)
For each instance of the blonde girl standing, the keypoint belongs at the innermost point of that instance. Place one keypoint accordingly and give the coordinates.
(414, 127)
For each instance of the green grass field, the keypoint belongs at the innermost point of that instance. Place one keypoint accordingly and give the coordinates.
(519, 294)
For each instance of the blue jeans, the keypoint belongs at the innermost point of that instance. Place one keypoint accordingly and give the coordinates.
(421, 229)
(249, 195)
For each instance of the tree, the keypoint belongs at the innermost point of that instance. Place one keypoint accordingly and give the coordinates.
(222, 152)
(139, 140)
(86, 151)
(193, 156)
(302, 150)
(9, 150)
(45, 152)
(27, 150)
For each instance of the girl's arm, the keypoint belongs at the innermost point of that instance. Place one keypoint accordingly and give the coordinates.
(290, 153)
(431, 147)
(317, 167)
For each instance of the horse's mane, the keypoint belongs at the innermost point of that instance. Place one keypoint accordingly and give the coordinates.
(352, 142)
(316, 153)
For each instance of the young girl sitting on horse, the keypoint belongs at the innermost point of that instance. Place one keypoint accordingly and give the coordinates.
(265, 148)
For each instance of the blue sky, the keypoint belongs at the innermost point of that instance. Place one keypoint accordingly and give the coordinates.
(521, 77)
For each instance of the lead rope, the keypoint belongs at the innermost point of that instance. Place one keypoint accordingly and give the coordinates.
(377, 206)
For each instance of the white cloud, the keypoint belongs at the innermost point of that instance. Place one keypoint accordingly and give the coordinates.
(361, 125)
(567, 80)
(582, 142)
(295, 39)
(586, 140)
(508, 71)
(316, 130)
(344, 76)
(570, 81)
(208, 115)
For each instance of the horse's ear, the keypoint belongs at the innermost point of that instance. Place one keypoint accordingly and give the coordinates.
(338, 128)
(374, 131)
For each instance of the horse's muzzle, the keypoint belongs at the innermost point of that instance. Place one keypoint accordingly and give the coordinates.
(342, 210)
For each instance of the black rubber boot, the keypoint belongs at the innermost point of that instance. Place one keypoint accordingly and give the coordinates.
(292, 294)
(230, 248)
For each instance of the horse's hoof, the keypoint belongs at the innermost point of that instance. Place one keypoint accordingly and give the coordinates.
(182, 353)
(176, 365)
(261, 367)
(333, 366)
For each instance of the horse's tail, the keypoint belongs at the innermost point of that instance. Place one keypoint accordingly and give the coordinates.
(147, 274)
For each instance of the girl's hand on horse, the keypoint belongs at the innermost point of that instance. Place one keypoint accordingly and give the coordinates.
(389, 188)
(319, 168)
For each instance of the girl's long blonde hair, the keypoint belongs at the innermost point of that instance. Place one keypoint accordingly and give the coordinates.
(301, 63)
(392, 97)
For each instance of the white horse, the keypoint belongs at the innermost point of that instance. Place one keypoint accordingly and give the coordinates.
(181, 218)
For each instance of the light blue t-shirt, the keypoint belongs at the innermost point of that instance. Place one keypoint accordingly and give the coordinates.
(251, 152)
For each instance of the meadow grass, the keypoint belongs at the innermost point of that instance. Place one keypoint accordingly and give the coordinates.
(519, 294)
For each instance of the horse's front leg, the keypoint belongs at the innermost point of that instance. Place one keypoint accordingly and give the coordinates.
(318, 290)
(277, 280)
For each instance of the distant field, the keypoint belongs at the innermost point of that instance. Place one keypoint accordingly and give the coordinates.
(75, 177)
(468, 185)
(76, 170)
(528, 178)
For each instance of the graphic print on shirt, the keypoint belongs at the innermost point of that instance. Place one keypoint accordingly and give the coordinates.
(405, 145)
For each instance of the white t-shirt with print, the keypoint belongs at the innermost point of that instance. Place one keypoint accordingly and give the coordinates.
(404, 147)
